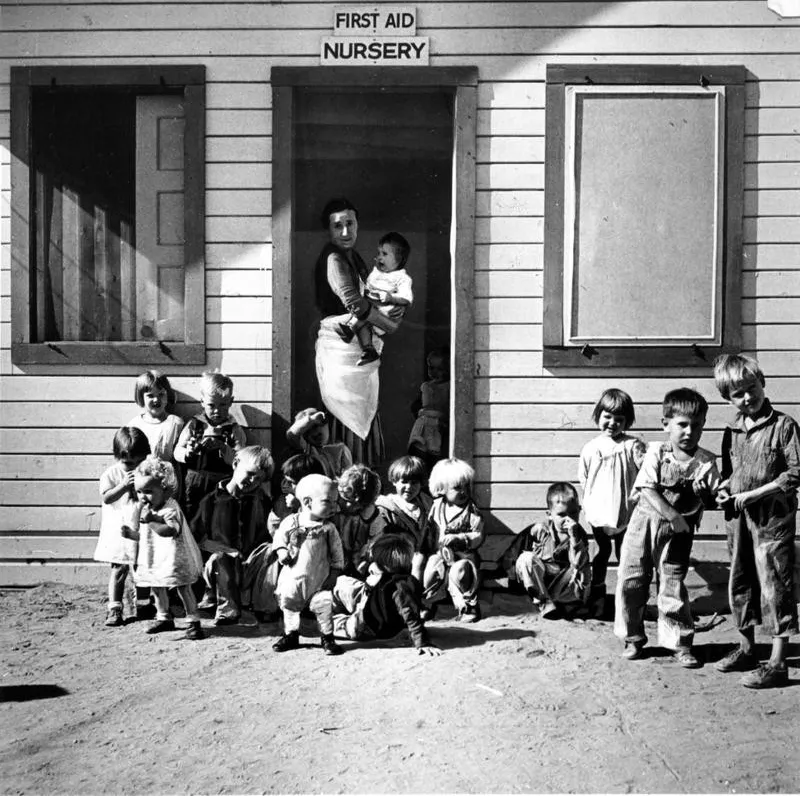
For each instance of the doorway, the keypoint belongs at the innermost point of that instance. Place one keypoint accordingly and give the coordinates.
(400, 146)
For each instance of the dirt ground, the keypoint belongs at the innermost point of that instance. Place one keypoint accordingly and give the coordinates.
(515, 703)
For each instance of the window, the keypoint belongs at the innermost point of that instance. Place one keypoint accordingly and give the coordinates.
(643, 218)
(108, 225)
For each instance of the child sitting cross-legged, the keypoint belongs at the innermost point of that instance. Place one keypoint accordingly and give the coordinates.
(455, 533)
(308, 546)
(388, 602)
(551, 559)
(676, 480)
(229, 524)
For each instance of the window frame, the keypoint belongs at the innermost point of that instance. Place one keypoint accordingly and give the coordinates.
(188, 80)
(560, 79)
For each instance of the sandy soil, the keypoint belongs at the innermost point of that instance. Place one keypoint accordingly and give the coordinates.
(514, 704)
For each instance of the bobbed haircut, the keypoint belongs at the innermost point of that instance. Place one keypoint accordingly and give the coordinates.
(448, 473)
(360, 485)
(407, 468)
(393, 551)
(152, 380)
(684, 401)
(313, 485)
(733, 370)
(402, 248)
(562, 489)
(214, 384)
(300, 465)
(160, 471)
(258, 456)
(615, 402)
(131, 442)
(335, 205)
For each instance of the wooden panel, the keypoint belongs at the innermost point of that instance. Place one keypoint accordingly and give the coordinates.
(238, 175)
(240, 255)
(510, 203)
(248, 229)
(236, 309)
(47, 548)
(238, 282)
(242, 202)
(239, 149)
(498, 284)
(56, 519)
(86, 573)
(509, 256)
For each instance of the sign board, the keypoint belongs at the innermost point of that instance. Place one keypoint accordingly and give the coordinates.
(375, 21)
(374, 35)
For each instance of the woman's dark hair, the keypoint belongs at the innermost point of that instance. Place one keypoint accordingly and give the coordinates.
(336, 205)
(130, 441)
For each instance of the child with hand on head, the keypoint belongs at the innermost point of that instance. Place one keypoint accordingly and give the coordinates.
(310, 434)
(388, 602)
(155, 396)
(551, 559)
(455, 533)
(120, 508)
(410, 506)
(310, 551)
(293, 470)
(608, 467)
(761, 468)
(388, 285)
(676, 480)
(429, 435)
(360, 521)
(209, 441)
(168, 554)
(230, 523)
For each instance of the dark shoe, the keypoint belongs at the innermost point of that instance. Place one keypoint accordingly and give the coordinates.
(369, 355)
(267, 617)
(145, 612)
(344, 331)
(288, 641)
(428, 614)
(737, 661)
(767, 676)
(550, 611)
(207, 603)
(330, 646)
(633, 650)
(226, 620)
(161, 626)
(114, 617)
(194, 632)
(686, 659)
(470, 614)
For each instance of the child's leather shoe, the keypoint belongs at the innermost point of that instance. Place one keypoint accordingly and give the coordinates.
(194, 632)
(737, 661)
(632, 651)
(429, 614)
(685, 658)
(288, 641)
(161, 626)
(114, 617)
(330, 646)
(344, 331)
(369, 355)
(767, 675)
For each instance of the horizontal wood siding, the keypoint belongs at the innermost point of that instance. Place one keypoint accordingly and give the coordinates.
(57, 423)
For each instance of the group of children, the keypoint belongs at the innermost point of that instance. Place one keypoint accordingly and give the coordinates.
(368, 565)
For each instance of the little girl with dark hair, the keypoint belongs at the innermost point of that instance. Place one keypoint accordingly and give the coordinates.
(156, 398)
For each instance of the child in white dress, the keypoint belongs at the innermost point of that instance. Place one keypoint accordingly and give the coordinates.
(168, 554)
(387, 285)
(429, 435)
(155, 396)
(607, 470)
(308, 546)
(119, 508)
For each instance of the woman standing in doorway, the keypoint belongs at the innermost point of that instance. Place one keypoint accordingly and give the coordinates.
(349, 391)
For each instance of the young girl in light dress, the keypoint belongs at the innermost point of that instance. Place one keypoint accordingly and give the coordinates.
(456, 533)
(428, 439)
(168, 554)
(155, 396)
(119, 508)
(608, 467)
(410, 506)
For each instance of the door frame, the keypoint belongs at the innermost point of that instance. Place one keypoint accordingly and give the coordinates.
(462, 83)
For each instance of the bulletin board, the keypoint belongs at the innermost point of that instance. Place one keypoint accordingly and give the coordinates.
(638, 216)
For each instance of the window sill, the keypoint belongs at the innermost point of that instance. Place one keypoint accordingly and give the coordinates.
(151, 354)
(634, 357)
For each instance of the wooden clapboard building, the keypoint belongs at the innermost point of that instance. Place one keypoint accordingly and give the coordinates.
(596, 194)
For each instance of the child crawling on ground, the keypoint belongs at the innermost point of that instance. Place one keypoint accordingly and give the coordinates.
(388, 602)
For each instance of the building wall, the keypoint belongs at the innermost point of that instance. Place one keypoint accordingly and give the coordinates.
(57, 423)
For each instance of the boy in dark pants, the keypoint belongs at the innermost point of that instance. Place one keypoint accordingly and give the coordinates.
(761, 468)
(229, 524)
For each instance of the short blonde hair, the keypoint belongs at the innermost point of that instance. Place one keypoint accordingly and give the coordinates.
(449, 473)
(258, 456)
(215, 384)
(312, 485)
(161, 471)
(731, 370)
